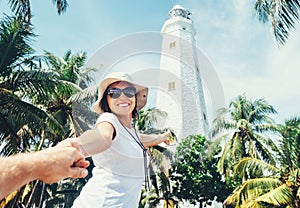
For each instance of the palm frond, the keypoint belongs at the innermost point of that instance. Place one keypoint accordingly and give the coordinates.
(237, 148)
(279, 196)
(222, 163)
(61, 5)
(24, 123)
(21, 9)
(34, 84)
(282, 16)
(87, 95)
(260, 111)
(15, 40)
(266, 127)
(262, 10)
(251, 189)
(263, 146)
(253, 166)
(220, 125)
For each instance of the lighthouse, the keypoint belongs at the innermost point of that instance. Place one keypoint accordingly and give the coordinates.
(180, 87)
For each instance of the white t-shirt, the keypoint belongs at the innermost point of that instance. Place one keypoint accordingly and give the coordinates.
(118, 174)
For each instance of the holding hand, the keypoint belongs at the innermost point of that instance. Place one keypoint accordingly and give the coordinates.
(169, 137)
(62, 161)
(49, 165)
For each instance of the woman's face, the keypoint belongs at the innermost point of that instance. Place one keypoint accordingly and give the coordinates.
(122, 105)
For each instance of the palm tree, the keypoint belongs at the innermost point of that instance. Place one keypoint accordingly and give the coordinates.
(160, 174)
(37, 103)
(146, 119)
(21, 80)
(276, 186)
(22, 9)
(23, 84)
(282, 15)
(160, 163)
(69, 105)
(241, 126)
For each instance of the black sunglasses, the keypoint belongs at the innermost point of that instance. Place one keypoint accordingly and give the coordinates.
(116, 92)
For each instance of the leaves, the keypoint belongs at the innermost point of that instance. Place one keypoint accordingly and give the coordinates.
(244, 121)
(282, 16)
(254, 166)
(251, 189)
(195, 175)
(22, 9)
(15, 45)
(270, 185)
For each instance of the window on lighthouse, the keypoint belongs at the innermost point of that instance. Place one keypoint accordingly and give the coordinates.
(172, 44)
(171, 86)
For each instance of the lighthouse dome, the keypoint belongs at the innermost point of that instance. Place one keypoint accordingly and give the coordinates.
(179, 11)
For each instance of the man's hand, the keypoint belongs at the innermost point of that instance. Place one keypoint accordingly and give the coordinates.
(62, 161)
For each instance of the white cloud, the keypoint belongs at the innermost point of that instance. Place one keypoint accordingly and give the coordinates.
(246, 56)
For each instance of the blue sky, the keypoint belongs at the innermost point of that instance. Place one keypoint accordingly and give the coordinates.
(242, 50)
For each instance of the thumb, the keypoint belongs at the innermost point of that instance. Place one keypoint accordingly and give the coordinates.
(77, 172)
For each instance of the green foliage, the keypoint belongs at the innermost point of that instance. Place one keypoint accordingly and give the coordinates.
(270, 185)
(195, 174)
(290, 144)
(38, 106)
(243, 129)
(282, 16)
(146, 119)
(22, 9)
(65, 104)
(21, 81)
(262, 192)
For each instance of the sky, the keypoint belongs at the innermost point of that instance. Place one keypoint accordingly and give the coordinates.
(242, 50)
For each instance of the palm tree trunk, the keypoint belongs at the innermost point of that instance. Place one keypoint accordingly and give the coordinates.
(42, 193)
(31, 195)
(37, 181)
(16, 199)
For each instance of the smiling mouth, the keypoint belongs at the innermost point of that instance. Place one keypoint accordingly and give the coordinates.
(123, 104)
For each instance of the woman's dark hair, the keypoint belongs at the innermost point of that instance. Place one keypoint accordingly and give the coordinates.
(105, 107)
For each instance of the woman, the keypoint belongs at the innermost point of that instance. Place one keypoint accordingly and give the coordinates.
(118, 151)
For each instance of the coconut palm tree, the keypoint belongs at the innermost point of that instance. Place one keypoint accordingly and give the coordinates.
(282, 15)
(37, 101)
(160, 162)
(276, 186)
(240, 128)
(22, 9)
(21, 80)
(24, 124)
(70, 104)
(146, 119)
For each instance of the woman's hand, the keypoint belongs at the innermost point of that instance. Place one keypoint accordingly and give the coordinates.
(169, 137)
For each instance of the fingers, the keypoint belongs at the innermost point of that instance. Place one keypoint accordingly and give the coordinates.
(81, 163)
(77, 172)
(167, 141)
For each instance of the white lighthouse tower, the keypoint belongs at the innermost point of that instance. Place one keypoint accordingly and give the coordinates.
(180, 92)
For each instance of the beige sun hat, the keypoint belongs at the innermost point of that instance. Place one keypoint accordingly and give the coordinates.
(141, 96)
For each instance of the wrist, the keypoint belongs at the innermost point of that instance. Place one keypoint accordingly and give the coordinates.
(32, 165)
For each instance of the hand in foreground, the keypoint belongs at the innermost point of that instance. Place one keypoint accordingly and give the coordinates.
(49, 165)
(62, 161)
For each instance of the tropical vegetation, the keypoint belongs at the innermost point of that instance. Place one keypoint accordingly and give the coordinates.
(45, 99)
(243, 128)
(274, 185)
(195, 177)
(281, 15)
(39, 103)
